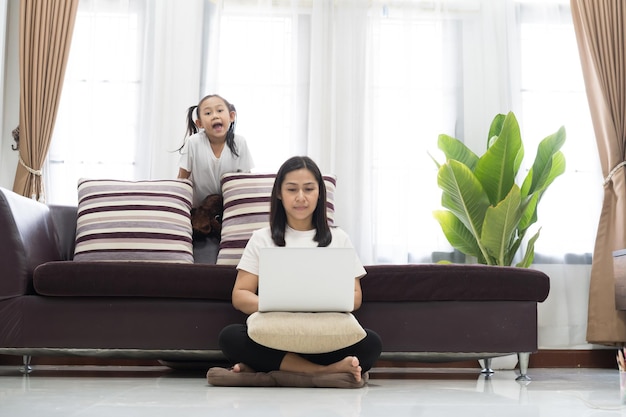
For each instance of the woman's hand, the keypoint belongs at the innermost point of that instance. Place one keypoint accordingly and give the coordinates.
(244, 295)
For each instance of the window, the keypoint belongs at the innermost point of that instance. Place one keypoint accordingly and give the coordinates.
(553, 94)
(96, 127)
(260, 72)
(263, 68)
(428, 69)
(414, 98)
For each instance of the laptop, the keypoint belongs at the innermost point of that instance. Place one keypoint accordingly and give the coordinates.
(313, 279)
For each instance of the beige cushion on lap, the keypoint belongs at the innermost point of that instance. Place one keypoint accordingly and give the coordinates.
(305, 332)
(221, 377)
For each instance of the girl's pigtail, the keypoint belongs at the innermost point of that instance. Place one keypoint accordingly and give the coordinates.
(191, 126)
(230, 135)
(192, 129)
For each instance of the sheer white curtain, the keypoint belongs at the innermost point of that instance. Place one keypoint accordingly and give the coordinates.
(337, 136)
(256, 57)
(551, 93)
(133, 70)
(414, 93)
(363, 87)
(171, 74)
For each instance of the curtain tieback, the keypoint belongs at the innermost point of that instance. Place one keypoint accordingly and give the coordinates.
(37, 172)
(613, 171)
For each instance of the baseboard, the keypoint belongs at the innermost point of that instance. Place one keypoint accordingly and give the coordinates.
(594, 358)
(77, 360)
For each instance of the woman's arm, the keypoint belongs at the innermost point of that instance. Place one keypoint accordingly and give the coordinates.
(244, 294)
(358, 295)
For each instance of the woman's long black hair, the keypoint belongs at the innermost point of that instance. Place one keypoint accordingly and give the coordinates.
(278, 216)
(192, 128)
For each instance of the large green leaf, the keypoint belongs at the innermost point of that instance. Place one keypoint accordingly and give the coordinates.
(540, 176)
(498, 167)
(529, 212)
(488, 214)
(463, 195)
(455, 149)
(495, 128)
(500, 225)
(457, 234)
(551, 170)
(549, 163)
(530, 252)
(513, 248)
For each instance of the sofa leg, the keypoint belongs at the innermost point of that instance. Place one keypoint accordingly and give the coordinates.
(487, 368)
(26, 368)
(523, 358)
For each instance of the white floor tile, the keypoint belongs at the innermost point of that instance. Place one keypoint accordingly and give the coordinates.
(51, 391)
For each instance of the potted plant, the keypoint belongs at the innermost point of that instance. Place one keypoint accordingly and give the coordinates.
(486, 213)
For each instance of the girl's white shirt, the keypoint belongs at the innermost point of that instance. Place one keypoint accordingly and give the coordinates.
(262, 238)
(206, 169)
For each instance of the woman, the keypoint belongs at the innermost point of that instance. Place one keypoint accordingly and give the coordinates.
(297, 219)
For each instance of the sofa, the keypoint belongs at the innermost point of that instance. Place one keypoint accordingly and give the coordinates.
(52, 304)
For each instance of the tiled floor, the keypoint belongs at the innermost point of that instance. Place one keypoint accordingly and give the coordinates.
(157, 391)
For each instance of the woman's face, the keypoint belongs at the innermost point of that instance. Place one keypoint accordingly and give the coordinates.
(299, 193)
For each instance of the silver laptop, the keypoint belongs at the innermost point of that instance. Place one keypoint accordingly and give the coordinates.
(306, 279)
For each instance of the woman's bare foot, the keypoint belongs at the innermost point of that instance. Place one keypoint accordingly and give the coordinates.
(242, 367)
(349, 364)
(293, 362)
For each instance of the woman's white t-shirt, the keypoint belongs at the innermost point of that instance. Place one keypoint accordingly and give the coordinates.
(262, 238)
(206, 169)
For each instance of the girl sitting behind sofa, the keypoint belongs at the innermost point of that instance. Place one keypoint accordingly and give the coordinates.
(212, 148)
(297, 218)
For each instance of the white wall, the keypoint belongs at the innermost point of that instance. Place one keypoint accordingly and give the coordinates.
(9, 90)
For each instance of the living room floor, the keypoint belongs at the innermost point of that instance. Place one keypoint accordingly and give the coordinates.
(159, 391)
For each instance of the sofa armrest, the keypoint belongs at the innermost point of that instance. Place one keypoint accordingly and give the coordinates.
(27, 239)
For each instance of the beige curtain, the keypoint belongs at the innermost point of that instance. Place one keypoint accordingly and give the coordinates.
(45, 36)
(601, 34)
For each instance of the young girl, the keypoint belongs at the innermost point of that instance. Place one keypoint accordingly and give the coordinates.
(297, 218)
(212, 148)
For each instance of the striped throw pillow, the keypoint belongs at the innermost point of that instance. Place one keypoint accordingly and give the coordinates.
(134, 221)
(247, 208)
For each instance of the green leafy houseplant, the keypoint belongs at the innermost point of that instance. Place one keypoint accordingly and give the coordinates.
(486, 214)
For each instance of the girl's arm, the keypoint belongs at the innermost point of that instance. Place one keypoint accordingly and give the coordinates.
(244, 294)
(358, 295)
(183, 174)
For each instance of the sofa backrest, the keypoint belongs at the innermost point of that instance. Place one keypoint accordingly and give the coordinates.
(27, 239)
(64, 221)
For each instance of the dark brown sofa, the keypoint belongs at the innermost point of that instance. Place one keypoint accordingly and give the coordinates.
(51, 305)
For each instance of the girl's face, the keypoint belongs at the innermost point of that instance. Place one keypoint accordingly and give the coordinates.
(299, 193)
(215, 118)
